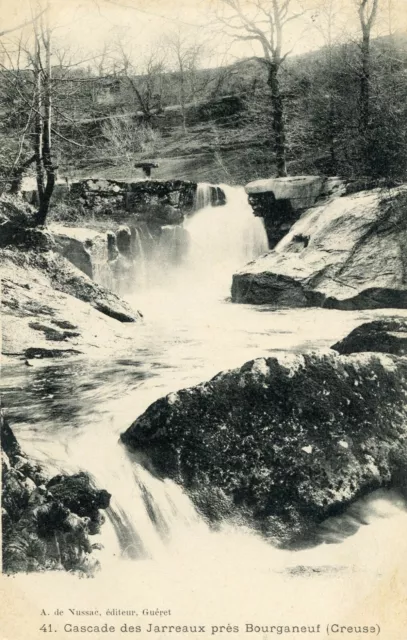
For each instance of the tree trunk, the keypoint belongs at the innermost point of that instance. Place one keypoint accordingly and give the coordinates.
(332, 135)
(39, 124)
(365, 84)
(278, 120)
(182, 100)
(142, 104)
(47, 169)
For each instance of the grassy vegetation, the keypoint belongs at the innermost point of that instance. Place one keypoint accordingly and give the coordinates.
(228, 135)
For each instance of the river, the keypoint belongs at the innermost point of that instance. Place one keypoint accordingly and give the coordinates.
(69, 415)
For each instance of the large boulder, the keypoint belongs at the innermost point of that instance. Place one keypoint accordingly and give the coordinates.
(46, 523)
(387, 335)
(284, 443)
(67, 278)
(300, 191)
(76, 243)
(43, 315)
(346, 254)
(281, 201)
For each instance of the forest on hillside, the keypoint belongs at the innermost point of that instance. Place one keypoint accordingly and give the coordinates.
(339, 110)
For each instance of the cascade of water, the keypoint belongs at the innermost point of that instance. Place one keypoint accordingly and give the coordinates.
(139, 255)
(150, 518)
(146, 514)
(182, 261)
(223, 239)
(203, 195)
(102, 273)
(202, 253)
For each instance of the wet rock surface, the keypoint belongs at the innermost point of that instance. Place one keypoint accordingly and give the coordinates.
(46, 312)
(281, 201)
(346, 254)
(75, 251)
(284, 443)
(46, 522)
(387, 335)
(66, 278)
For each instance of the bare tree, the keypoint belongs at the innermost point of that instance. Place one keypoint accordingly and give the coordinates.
(184, 56)
(144, 74)
(264, 22)
(28, 95)
(367, 12)
(45, 169)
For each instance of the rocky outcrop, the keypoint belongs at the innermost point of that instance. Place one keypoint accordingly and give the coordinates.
(79, 245)
(387, 335)
(46, 252)
(285, 442)
(15, 219)
(157, 202)
(75, 251)
(281, 201)
(66, 278)
(43, 308)
(346, 254)
(46, 522)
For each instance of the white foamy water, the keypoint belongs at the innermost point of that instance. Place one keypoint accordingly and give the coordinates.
(157, 550)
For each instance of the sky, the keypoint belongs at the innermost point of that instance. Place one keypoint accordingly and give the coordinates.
(86, 25)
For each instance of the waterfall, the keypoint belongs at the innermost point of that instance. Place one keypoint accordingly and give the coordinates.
(229, 234)
(203, 195)
(223, 239)
(139, 254)
(147, 515)
(203, 253)
(178, 269)
(150, 518)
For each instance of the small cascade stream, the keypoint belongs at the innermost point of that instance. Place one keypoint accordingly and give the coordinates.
(202, 196)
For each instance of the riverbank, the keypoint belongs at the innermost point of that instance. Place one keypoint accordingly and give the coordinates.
(46, 520)
(345, 254)
(190, 333)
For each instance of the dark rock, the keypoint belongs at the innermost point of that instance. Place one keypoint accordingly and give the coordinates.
(39, 352)
(387, 335)
(15, 218)
(281, 201)
(51, 333)
(64, 324)
(218, 197)
(9, 442)
(287, 443)
(78, 494)
(112, 250)
(353, 257)
(116, 314)
(278, 215)
(46, 527)
(123, 240)
(39, 239)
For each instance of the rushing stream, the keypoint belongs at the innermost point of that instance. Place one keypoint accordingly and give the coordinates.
(70, 415)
